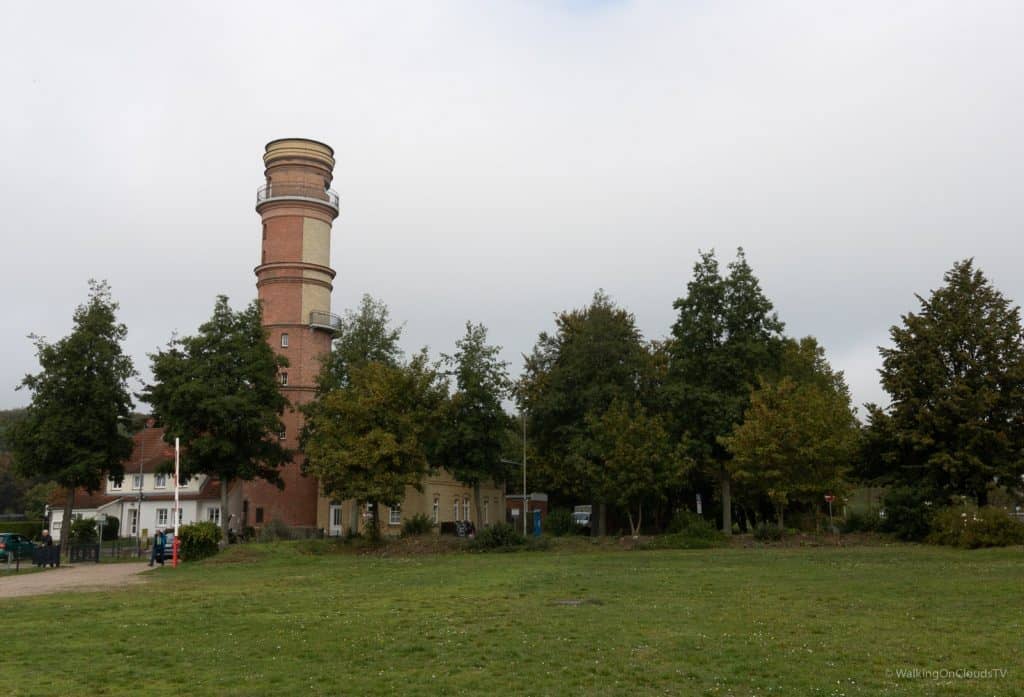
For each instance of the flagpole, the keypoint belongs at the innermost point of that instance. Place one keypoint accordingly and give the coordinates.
(177, 515)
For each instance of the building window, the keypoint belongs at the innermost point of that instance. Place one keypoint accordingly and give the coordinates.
(137, 482)
(133, 522)
(456, 510)
(161, 516)
(160, 481)
(284, 340)
(465, 508)
(284, 378)
(259, 514)
(435, 514)
(116, 485)
(486, 506)
(336, 516)
(283, 435)
(213, 514)
(180, 511)
(395, 515)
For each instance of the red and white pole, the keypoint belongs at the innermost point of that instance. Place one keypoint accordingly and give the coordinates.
(177, 514)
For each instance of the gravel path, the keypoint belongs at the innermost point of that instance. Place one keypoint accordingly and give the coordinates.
(80, 577)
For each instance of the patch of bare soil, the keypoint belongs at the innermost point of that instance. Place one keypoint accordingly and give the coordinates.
(77, 578)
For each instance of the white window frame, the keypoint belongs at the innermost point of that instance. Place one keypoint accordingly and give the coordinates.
(465, 507)
(159, 481)
(137, 481)
(213, 514)
(284, 377)
(284, 339)
(395, 515)
(436, 511)
(456, 510)
(116, 485)
(162, 516)
(133, 522)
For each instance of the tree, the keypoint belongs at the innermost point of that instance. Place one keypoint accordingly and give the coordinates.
(75, 431)
(637, 464)
(218, 392)
(799, 433)
(371, 439)
(475, 429)
(365, 335)
(955, 373)
(725, 336)
(596, 356)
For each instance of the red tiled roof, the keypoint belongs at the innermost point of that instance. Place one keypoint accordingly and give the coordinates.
(152, 452)
(83, 499)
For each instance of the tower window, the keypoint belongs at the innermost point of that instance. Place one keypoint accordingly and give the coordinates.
(284, 340)
(283, 435)
(284, 378)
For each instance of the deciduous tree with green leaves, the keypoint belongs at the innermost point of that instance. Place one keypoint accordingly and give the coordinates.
(76, 429)
(799, 433)
(376, 436)
(365, 335)
(595, 357)
(725, 336)
(475, 429)
(218, 391)
(955, 374)
(635, 461)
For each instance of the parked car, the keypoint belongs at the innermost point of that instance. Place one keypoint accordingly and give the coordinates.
(16, 545)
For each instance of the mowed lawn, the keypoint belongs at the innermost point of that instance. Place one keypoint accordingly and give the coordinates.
(272, 620)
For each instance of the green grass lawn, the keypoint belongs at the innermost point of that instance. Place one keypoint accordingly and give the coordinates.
(270, 620)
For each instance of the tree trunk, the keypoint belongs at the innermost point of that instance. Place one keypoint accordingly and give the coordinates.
(375, 530)
(635, 529)
(779, 511)
(476, 504)
(983, 496)
(65, 526)
(353, 518)
(602, 519)
(726, 501)
(223, 512)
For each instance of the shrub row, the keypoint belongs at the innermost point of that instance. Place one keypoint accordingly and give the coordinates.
(31, 529)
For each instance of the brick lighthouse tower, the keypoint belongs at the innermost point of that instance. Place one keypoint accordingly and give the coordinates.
(297, 207)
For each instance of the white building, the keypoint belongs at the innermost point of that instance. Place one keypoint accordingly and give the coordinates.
(144, 500)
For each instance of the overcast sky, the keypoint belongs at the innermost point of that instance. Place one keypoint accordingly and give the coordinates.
(498, 162)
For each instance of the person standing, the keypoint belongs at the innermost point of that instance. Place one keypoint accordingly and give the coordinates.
(159, 541)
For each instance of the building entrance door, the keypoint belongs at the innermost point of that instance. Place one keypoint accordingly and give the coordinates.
(133, 522)
(335, 520)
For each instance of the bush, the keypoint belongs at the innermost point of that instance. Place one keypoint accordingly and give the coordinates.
(559, 522)
(861, 521)
(686, 521)
(83, 532)
(32, 529)
(198, 541)
(500, 536)
(419, 524)
(767, 532)
(986, 527)
(111, 528)
(907, 514)
(275, 530)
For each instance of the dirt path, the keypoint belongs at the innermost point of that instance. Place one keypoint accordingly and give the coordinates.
(80, 577)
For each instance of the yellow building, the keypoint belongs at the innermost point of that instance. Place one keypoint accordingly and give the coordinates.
(443, 500)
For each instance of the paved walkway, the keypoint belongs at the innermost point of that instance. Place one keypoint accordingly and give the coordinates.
(80, 577)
